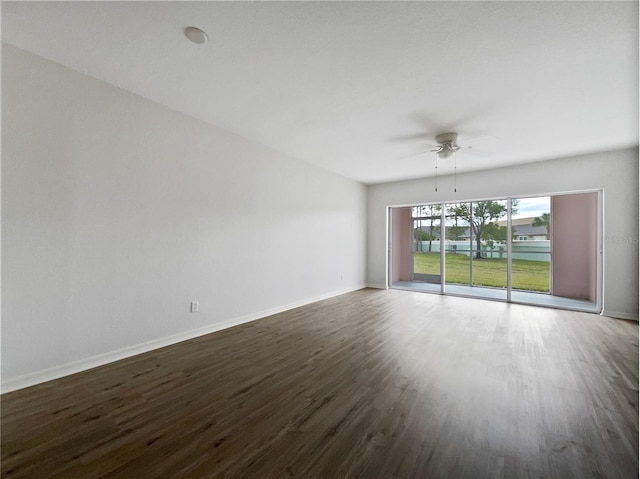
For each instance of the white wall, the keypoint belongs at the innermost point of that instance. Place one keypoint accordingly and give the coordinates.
(117, 212)
(616, 172)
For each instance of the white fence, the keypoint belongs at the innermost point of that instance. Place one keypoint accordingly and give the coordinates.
(532, 250)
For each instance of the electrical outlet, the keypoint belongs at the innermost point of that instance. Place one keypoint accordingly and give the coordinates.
(195, 306)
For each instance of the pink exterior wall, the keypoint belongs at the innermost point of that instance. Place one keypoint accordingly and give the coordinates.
(573, 243)
(401, 244)
(593, 246)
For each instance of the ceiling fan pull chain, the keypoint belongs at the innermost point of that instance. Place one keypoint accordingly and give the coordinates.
(436, 173)
(455, 172)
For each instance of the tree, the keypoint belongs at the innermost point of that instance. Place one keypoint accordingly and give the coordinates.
(543, 220)
(433, 209)
(430, 213)
(455, 231)
(418, 232)
(419, 236)
(481, 215)
(492, 232)
(422, 235)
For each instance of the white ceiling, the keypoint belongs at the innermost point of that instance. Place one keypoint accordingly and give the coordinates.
(339, 84)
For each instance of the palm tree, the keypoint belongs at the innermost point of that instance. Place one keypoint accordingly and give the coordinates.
(543, 220)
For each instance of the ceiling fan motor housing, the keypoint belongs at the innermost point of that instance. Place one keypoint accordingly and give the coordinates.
(447, 138)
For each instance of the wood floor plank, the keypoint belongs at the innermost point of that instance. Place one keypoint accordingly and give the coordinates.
(369, 384)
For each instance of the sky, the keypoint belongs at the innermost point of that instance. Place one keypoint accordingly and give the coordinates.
(533, 207)
(528, 208)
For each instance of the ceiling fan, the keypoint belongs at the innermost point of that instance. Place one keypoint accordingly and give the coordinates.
(448, 145)
(446, 149)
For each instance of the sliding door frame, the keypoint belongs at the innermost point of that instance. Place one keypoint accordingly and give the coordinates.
(599, 242)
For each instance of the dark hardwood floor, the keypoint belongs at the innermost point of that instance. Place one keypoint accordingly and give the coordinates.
(368, 384)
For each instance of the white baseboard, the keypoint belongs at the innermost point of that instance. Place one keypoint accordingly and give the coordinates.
(57, 372)
(376, 286)
(617, 314)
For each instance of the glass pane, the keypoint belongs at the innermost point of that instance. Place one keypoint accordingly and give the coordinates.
(530, 246)
(457, 244)
(476, 249)
(488, 224)
(426, 243)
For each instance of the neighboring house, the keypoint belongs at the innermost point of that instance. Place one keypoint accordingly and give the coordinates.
(523, 229)
(529, 232)
(435, 231)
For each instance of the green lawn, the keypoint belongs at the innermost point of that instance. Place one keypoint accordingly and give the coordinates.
(526, 275)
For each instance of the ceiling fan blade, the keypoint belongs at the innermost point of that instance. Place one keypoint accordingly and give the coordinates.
(485, 141)
(416, 154)
(415, 137)
(472, 151)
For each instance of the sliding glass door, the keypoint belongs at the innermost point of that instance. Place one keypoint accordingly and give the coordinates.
(476, 249)
(426, 243)
(458, 247)
(537, 250)
(531, 245)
